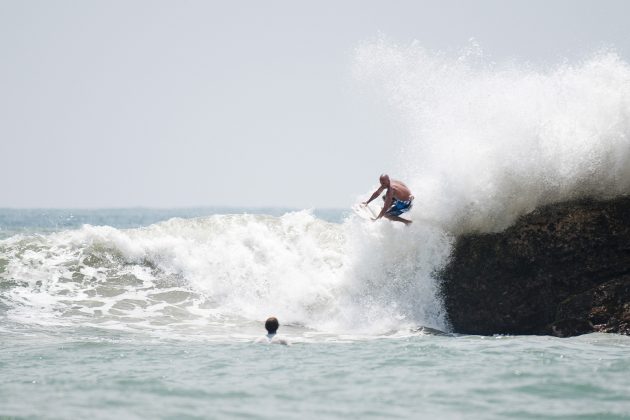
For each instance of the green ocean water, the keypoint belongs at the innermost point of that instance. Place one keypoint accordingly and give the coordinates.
(145, 316)
(96, 374)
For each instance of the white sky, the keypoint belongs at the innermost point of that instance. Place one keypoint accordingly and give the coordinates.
(238, 103)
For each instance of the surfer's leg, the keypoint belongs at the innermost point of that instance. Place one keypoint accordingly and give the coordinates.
(396, 210)
(398, 219)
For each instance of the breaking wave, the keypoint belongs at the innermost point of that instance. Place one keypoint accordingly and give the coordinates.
(490, 142)
(224, 270)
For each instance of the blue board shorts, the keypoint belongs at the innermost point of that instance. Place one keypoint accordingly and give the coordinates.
(399, 207)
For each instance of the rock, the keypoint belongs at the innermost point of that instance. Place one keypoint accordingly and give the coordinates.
(563, 269)
(570, 327)
(605, 307)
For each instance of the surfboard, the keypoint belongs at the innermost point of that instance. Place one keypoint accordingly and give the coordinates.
(364, 212)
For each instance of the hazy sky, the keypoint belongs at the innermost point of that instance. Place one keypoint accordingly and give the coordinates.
(236, 103)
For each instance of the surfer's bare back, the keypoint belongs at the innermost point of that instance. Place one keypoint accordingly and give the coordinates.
(398, 199)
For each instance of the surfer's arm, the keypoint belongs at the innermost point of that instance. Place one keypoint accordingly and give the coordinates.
(376, 194)
(388, 203)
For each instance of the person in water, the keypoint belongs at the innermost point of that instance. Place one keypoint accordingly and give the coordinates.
(271, 325)
(398, 199)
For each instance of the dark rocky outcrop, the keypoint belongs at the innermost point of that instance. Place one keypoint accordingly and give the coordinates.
(563, 269)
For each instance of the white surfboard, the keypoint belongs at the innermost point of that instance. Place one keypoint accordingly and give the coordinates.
(364, 212)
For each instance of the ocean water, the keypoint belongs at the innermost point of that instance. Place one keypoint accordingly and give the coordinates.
(159, 321)
(141, 313)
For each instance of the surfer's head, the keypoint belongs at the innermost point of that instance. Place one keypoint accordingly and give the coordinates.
(384, 180)
(271, 325)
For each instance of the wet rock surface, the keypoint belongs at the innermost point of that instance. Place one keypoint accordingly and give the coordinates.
(563, 270)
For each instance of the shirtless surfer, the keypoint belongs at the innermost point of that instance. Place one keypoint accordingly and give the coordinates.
(398, 199)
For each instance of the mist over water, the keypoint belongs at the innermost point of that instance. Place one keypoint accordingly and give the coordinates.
(488, 142)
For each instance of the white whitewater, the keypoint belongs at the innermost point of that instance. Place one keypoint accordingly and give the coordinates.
(489, 142)
(354, 277)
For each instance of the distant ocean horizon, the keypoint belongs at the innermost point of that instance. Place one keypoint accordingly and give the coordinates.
(15, 220)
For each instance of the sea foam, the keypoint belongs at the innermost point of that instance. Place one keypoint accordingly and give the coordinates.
(224, 270)
(489, 142)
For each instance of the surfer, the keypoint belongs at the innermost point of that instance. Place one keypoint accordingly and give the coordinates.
(398, 199)
(271, 325)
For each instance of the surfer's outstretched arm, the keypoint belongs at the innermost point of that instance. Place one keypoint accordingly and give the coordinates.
(376, 194)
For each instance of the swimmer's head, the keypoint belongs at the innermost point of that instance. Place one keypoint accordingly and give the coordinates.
(271, 325)
(384, 180)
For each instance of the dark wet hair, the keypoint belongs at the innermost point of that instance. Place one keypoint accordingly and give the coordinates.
(271, 325)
